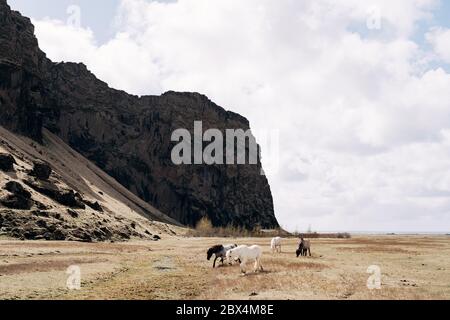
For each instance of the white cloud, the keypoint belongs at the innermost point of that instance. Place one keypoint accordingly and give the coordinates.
(364, 129)
(439, 38)
(63, 42)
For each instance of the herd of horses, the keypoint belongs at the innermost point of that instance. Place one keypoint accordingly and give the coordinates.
(243, 254)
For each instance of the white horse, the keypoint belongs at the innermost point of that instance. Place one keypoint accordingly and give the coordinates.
(245, 253)
(275, 244)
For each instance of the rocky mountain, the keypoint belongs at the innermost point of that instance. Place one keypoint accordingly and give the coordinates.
(126, 136)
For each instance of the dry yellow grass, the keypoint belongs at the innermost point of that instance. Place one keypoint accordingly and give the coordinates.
(412, 267)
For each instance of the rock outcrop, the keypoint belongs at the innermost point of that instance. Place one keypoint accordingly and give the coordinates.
(7, 162)
(41, 170)
(125, 135)
(19, 198)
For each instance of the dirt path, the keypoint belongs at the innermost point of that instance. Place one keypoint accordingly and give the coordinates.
(176, 268)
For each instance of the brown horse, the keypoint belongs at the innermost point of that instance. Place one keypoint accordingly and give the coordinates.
(303, 248)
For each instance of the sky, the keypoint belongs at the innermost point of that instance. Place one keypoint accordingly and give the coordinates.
(350, 101)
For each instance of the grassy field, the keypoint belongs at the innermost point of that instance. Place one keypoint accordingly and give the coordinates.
(412, 267)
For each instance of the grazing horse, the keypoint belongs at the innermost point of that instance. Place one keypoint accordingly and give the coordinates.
(244, 254)
(220, 251)
(303, 248)
(275, 244)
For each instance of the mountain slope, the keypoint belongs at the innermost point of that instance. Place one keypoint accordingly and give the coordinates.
(127, 136)
(77, 202)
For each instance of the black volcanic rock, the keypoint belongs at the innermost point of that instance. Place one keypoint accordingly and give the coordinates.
(41, 170)
(38, 225)
(68, 198)
(93, 205)
(17, 189)
(18, 199)
(125, 135)
(16, 202)
(7, 162)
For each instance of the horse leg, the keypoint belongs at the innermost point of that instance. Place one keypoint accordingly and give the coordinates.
(242, 265)
(214, 264)
(221, 259)
(309, 250)
(260, 265)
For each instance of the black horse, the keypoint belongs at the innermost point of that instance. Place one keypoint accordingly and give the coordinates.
(219, 251)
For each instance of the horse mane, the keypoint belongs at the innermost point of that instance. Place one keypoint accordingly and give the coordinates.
(217, 248)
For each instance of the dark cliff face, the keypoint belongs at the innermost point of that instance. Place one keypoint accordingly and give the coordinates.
(21, 70)
(127, 136)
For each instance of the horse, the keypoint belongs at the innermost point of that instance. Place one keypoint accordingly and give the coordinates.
(275, 244)
(300, 250)
(303, 248)
(244, 254)
(219, 251)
